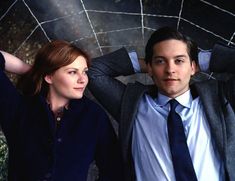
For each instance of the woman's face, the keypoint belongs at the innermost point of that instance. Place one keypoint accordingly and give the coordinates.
(69, 82)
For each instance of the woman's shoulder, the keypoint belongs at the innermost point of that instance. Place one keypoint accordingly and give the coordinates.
(89, 104)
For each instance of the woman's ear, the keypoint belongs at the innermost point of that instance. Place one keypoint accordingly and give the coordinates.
(48, 79)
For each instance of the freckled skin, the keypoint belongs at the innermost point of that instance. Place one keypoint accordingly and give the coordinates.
(68, 82)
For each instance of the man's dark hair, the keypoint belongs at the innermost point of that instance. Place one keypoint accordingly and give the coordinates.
(168, 33)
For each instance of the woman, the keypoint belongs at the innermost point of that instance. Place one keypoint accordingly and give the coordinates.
(53, 131)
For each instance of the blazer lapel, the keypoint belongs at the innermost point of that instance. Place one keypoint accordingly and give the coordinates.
(208, 93)
(129, 106)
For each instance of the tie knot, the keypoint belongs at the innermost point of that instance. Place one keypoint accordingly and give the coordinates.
(173, 103)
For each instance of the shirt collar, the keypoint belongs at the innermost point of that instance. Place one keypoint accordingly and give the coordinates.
(185, 99)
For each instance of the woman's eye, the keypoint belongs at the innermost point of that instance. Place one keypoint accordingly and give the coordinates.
(72, 72)
(85, 72)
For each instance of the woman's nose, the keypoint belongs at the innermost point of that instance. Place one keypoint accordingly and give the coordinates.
(81, 78)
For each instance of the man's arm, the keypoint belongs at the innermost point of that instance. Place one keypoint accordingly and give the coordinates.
(203, 62)
(14, 64)
(102, 83)
(222, 59)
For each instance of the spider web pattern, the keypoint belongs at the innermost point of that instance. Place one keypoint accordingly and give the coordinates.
(101, 27)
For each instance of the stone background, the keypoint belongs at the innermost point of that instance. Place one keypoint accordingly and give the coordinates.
(102, 26)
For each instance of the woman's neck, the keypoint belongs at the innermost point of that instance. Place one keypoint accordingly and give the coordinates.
(56, 103)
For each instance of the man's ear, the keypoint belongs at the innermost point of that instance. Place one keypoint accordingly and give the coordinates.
(195, 67)
(149, 69)
(48, 79)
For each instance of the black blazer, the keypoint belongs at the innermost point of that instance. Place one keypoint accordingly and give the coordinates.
(122, 101)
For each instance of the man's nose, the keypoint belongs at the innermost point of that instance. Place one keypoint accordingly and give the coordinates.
(170, 67)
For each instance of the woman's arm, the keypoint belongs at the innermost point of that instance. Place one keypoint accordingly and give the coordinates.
(108, 153)
(14, 64)
(10, 99)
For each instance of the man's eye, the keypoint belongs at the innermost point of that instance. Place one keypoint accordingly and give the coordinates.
(179, 60)
(158, 61)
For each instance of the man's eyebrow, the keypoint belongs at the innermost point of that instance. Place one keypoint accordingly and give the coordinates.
(154, 57)
(162, 57)
(180, 56)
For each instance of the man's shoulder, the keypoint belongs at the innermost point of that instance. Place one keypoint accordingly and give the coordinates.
(137, 87)
(136, 90)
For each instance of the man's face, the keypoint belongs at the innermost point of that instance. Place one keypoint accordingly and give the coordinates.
(171, 68)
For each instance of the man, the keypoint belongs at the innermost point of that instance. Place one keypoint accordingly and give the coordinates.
(206, 110)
